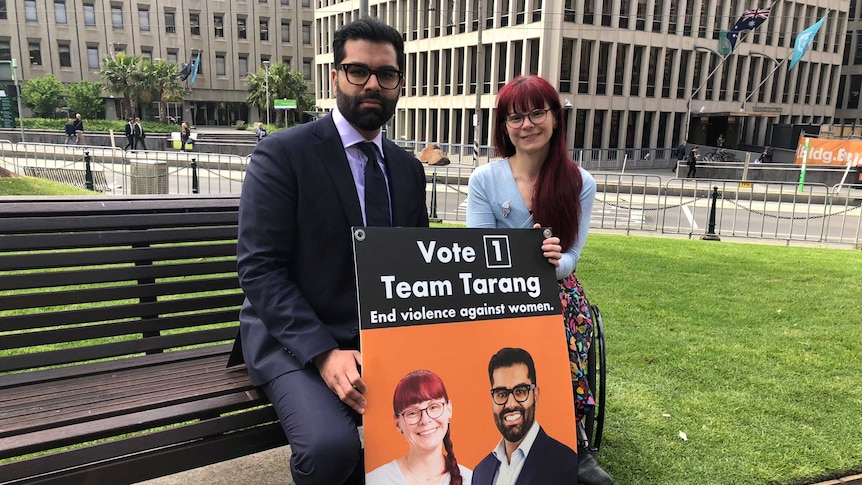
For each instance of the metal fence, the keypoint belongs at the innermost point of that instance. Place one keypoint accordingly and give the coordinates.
(625, 201)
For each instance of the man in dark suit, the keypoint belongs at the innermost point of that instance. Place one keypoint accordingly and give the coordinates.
(130, 134)
(304, 189)
(526, 455)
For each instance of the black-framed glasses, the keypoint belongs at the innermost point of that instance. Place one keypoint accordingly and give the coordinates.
(358, 75)
(537, 116)
(520, 393)
(414, 415)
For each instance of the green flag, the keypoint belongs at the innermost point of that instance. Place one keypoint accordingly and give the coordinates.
(724, 46)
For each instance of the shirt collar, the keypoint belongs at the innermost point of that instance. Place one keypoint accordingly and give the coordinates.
(526, 444)
(349, 136)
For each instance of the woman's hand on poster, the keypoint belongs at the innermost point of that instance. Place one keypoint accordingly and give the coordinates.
(551, 248)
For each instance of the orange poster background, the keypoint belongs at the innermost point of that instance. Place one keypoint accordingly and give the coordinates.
(830, 152)
(459, 354)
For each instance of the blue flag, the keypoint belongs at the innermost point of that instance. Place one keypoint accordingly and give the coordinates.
(195, 68)
(803, 40)
(750, 19)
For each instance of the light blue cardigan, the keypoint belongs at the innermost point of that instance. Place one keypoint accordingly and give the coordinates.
(493, 201)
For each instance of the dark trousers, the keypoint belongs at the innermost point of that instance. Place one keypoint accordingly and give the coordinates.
(692, 171)
(324, 441)
(139, 140)
(131, 142)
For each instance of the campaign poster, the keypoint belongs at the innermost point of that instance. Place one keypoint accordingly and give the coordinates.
(446, 301)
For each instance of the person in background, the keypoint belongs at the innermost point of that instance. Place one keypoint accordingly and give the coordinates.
(130, 134)
(303, 191)
(140, 134)
(185, 136)
(79, 129)
(680, 156)
(768, 152)
(259, 131)
(423, 414)
(720, 141)
(70, 132)
(692, 163)
(537, 184)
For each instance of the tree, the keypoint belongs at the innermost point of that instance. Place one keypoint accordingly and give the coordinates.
(43, 95)
(122, 75)
(162, 79)
(86, 98)
(283, 84)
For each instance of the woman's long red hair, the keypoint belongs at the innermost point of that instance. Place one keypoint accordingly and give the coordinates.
(556, 198)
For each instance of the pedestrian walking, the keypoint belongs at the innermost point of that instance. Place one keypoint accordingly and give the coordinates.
(140, 134)
(692, 163)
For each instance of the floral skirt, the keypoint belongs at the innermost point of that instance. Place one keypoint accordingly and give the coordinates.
(579, 335)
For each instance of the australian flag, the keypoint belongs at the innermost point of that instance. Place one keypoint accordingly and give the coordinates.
(750, 19)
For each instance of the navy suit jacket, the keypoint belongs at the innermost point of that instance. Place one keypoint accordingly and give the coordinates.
(294, 251)
(549, 462)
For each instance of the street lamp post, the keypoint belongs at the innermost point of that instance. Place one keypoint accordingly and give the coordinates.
(266, 69)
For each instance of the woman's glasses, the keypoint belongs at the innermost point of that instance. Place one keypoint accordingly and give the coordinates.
(537, 116)
(521, 393)
(358, 75)
(414, 415)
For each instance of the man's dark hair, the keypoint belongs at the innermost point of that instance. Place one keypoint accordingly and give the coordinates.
(369, 29)
(509, 356)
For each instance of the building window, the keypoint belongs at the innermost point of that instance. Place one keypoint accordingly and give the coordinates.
(306, 4)
(218, 26)
(170, 22)
(306, 68)
(93, 57)
(147, 54)
(3, 14)
(243, 65)
(60, 12)
(195, 23)
(65, 53)
(221, 65)
(5, 50)
(241, 27)
(285, 2)
(264, 29)
(285, 31)
(117, 17)
(35, 54)
(306, 34)
(144, 19)
(173, 57)
(30, 11)
(89, 14)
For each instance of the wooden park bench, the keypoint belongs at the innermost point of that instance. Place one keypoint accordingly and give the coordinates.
(117, 316)
(70, 176)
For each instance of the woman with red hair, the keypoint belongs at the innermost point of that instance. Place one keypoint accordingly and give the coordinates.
(422, 414)
(537, 184)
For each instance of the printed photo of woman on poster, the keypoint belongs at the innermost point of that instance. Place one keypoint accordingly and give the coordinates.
(422, 412)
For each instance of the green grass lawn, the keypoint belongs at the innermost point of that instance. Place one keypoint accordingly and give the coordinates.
(37, 186)
(753, 351)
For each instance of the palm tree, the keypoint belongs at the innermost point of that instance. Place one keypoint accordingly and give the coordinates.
(164, 85)
(122, 75)
(283, 84)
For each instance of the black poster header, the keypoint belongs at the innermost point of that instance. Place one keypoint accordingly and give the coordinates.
(416, 276)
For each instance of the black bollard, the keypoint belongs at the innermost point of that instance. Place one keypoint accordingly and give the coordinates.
(433, 216)
(710, 233)
(195, 183)
(88, 173)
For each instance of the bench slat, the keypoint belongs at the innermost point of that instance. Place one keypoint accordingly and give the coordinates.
(178, 449)
(115, 349)
(28, 261)
(34, 242)
(124, 221)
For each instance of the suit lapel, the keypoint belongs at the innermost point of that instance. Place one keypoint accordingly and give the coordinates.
(330, 150)
(399, 176)
(534, 459)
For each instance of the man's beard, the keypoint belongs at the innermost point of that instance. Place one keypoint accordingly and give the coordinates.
(513, 434)
(368, 119)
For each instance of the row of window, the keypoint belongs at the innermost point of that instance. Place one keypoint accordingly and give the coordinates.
(64, 54)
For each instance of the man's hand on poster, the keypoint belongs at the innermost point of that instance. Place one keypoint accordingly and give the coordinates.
(551, 248)
(339, 370)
